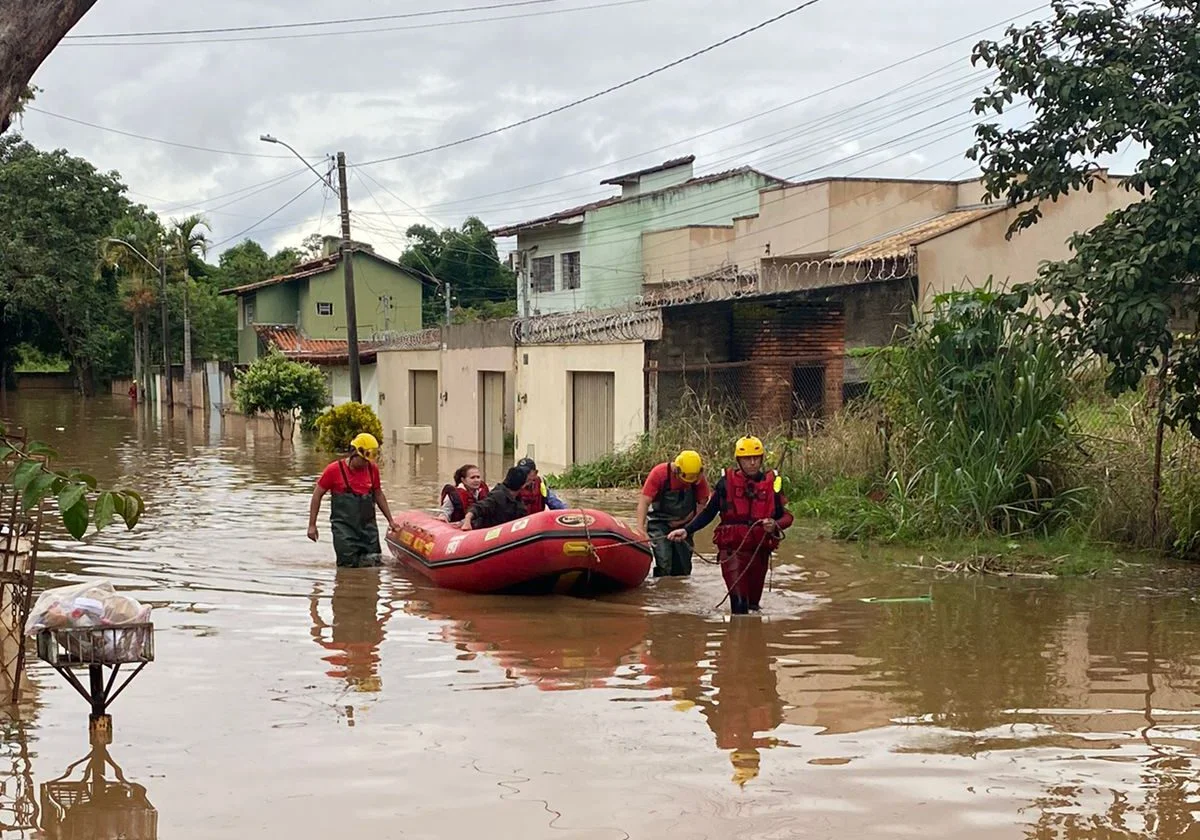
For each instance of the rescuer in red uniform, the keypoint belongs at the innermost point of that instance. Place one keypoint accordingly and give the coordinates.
(753, 518)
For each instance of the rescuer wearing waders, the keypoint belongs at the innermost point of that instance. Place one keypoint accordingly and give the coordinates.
(353, 485)
(753, 517)
(671, 497)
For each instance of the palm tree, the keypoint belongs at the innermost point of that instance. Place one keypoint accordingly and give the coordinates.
(189, 236)
(139, 282)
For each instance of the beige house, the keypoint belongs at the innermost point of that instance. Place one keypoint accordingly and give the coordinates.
(941, 232)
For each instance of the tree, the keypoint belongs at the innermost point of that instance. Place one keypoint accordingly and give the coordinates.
(54, 209)
(31, 29)
(284, 389)
(188, 240)
(1100, 76)
(249, 263)
(466, 259)
(139, 281)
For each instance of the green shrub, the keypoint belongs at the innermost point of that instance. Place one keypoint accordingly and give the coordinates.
(337, 426)
(284, 389)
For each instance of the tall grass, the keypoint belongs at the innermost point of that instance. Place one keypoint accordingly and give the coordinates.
(811, 458)
(981, 432)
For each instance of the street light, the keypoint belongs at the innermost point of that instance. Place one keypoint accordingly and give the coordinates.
(347, 263)
(161, 268)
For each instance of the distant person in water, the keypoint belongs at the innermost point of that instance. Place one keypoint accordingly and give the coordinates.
(502, 504)
(353, 485)
(467, 489)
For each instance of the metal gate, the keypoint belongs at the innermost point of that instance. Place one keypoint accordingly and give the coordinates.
(491, 412)
(591, 416)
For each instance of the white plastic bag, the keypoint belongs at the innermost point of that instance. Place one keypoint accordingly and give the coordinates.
(92, 604)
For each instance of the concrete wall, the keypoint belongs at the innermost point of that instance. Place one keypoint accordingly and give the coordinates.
(393, 368)
(682, 253)
(543, 385)
(966, 257)
(338, 378)
(813, 218)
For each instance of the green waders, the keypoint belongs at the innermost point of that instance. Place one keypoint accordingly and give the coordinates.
(352, 520)
(671, 559)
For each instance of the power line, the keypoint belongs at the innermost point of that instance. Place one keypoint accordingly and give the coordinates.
(598, 94)
(334, 22)
(370, 31)
(152, 139)
(270, 215)
(760, 114)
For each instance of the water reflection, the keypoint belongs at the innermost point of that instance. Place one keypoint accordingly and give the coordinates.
(356, 629)
(101, 805)
(18, 796)
(747, 706)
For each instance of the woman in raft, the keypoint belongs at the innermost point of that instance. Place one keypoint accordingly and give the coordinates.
(467, 489)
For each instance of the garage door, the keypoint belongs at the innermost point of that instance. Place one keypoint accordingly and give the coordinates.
(591, 416)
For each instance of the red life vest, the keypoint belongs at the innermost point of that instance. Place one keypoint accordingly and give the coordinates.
(746, 502)
(534, 498)
(461, 500)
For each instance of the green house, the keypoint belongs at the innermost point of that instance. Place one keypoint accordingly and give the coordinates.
(311, 302)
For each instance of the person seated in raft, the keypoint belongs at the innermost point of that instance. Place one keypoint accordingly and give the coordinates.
(502, 504)
(467, 489)
(353, 485)
(536, 494)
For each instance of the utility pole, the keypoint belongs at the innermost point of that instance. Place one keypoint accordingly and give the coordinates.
(166, 330)
(187, 344)
(447, 303)
(348, 269)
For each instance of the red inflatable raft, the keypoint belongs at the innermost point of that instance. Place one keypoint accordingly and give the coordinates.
(574, 552)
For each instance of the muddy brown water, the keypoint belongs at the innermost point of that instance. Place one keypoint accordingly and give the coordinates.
(292, 699)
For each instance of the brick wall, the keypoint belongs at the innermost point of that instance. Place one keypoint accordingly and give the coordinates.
(780, 338)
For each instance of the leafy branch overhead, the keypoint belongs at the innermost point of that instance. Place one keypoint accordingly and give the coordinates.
(1100, 77)
(80, 499)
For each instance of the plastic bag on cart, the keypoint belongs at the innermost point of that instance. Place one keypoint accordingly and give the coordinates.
(91, 604)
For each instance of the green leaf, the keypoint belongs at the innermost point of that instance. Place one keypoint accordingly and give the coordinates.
(70, 497)
(105, 508)
(24, 473)
(5, 451)
(76, 518)
(39, 448)
(36, 490)
(118, 500)
(133, 508)
(89, 480)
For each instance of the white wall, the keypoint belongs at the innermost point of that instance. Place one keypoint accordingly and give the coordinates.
(543, 384)
(339, 379)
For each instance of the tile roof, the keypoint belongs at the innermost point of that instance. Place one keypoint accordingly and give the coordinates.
(509, 230)
(627, 177)
(319, 351)
(315, 267)
(899, 243)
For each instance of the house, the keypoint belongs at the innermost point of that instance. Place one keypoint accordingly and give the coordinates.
(590, 257)
(303, 313)
(768, 307)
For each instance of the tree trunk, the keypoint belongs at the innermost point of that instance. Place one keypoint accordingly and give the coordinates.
(29, 30)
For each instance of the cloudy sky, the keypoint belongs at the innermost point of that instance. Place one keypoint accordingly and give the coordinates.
(399, 86)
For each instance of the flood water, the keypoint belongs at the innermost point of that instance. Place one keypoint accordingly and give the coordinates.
(292, 699)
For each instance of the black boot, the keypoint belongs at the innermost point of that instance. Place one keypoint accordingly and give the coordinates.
(738, 605)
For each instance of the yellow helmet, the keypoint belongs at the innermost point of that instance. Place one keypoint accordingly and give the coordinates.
(690, 465)
(365, 445)
(748, 447)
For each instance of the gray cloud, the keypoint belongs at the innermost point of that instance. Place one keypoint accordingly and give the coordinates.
(384, 93)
